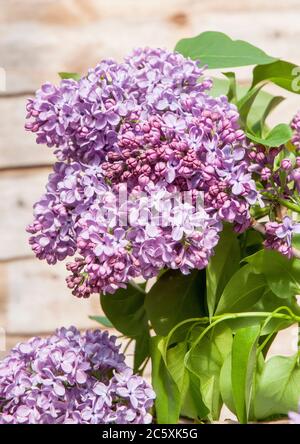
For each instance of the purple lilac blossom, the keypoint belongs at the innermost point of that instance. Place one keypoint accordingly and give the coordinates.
(148, 124)
(279, 235)
(294, 417)
(72, 377)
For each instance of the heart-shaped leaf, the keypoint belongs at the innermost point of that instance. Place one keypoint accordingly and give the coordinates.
(243, 363)
(279, 135)
(69, 75)
(173, 298)
(278, 387)
(222, 266)
(217, 50)
(284, 74)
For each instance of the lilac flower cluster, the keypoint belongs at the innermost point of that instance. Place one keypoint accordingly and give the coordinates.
(279, 176)
(279, 235)
(71, 377)
(149, 125)
(295, 125)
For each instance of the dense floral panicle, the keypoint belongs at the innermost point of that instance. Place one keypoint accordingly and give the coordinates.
(149, 125)
(295, 124)
(279, 235)
(71, 377)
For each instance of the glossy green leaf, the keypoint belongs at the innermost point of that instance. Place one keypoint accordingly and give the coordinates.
(102, 320)
(191, 402)
(278, 387)
(279, 135)
(173, 298)
(205, 361)
(232, 91)
(225, 384)
(245, 103)
(141, 350)
(282, 274)
(125, 310)
(222, 266)
(217, 50)
(259, 126)
(243, 290)
(284, 74)
(168, 397)
(243, 362)
(69, 75)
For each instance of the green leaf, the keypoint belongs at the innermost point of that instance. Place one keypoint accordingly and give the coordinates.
(243, 290)
(141, 350)
(282, 274)
(173, 298)
(222, 266)
(259, 126)
(102, 320)
(232, 91)
(205, 362)
(258, 107)
(168, 397)
(284, 74)
(191, 402)
(125, 309)
(225, 384)
(243, 362)
(278, 387)
(245, 103)
(69, 75)
(279, 135)
(220, 87)
(217, 50)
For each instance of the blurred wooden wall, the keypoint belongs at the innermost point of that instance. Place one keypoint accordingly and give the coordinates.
(38, 38)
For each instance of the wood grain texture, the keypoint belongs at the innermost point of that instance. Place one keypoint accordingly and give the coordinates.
(38, 38)
(19, 189)
(34, 298)
(17, 147)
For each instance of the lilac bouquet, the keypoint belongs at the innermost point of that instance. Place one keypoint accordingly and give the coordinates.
(173, 179)
(143, 126)
(72, 378)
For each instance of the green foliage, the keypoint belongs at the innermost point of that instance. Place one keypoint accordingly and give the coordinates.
(222, 266)
(173, 298)
(125, 310)
(243, 363)
(69, 75)
(282, 274)
(242, 291)
(214, 326)
(205, 362)
(279, 135)
(102, 320)
(278, 387)
(168, 397)
(217, 50)
(283, 74)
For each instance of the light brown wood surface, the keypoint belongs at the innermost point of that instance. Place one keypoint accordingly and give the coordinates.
(38, 38)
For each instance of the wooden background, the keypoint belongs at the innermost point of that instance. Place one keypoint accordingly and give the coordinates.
(38, 38)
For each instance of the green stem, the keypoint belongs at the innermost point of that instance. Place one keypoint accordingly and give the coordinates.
(283, 202)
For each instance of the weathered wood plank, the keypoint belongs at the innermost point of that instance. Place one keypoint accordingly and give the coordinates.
(34, 298)
(39, 38)
(71, 12)
(19, 189)
(17, 147)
